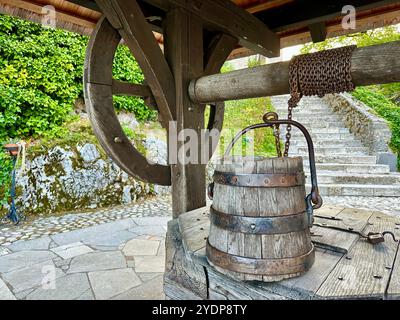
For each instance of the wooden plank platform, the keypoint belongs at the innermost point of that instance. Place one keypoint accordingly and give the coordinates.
(346, 266)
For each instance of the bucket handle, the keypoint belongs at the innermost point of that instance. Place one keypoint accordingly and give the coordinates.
(271, 119)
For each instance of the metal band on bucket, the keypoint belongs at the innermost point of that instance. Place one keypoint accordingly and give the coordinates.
(266, 267)
(260, 225)
(260, 180)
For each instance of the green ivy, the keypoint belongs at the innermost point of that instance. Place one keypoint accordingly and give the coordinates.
(384, 108)
(41, 74)
(5, 177)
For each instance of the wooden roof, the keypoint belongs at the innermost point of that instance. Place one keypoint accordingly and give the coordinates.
(292, 20)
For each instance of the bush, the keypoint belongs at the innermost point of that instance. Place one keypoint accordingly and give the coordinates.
(5, 177)
(384, 108)
(41, 77)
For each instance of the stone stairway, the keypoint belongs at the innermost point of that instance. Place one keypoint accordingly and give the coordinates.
(344, 166)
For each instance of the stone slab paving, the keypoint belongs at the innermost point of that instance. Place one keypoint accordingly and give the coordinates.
(121, 259)
(117, 253)
(43, 227)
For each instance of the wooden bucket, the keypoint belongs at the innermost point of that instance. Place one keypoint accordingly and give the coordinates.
(260, 229)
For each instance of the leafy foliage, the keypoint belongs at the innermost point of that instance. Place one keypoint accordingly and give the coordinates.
(384, 100)
(383, 107)
(243, 113)
(362, 39)
(5, 178)
(41, 73)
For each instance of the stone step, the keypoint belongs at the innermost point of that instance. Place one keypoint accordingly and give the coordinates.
(310, 118)
(328, 124)
(343, 159)
(349, 168)
(354, 178)
(358, 190)
(308, 114)
(330, 130)
(329, 150)
(320, 136)
(321, 143)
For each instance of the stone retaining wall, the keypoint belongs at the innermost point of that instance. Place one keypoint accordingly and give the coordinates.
(373, 131)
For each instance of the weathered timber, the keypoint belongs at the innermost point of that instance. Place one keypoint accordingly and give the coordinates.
(98, 89)
(366, 270)
(224, 16)
(263, 227)
(132, 25)
(366, 261)
(184, 53)
(330, 239)
(369, 65)
(183, 279)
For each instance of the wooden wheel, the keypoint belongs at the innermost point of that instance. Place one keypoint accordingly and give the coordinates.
(99, 90)
(159, 91)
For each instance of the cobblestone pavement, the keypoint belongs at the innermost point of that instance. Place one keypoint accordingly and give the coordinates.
(46, 226)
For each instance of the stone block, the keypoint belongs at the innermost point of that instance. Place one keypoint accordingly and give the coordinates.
(97, 261)
(72, 250)
(69, 287)
(150, 264)
(108, 284)
(138, 247)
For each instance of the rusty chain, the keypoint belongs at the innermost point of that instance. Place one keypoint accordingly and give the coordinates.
(318, 74)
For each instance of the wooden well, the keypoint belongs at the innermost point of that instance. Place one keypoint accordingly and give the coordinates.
(259, 226)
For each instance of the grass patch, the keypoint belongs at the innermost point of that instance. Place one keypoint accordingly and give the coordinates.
(241, 114)
(384, 108)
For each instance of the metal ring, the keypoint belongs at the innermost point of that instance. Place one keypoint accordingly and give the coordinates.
(262, 180)
(260, 225)
(264, 267)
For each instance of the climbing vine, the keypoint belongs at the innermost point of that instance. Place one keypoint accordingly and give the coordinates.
(41, 74)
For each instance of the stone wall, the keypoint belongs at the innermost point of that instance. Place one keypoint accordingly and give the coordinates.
(75, 178)
(372, 130)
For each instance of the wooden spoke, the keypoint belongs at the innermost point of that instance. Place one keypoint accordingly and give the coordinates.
(120, 88)
(99, 89)
(127, 17)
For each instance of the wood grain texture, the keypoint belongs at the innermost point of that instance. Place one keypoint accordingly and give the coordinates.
(183, 279)
(139, 37)
(365, 272)
(99, 103)
(260, 202)
(340, 241)
(224, 285)
(369, 65)
(225, 16)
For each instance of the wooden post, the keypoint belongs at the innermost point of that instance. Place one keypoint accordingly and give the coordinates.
(184, 53)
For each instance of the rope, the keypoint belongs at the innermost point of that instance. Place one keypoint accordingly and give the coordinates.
(318, 74)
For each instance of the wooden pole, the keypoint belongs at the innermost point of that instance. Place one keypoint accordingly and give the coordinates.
(370, 65)
(184, 53)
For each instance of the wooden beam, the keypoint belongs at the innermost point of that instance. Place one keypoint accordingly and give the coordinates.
(225, 16)
(184, 52)
(267, 5)
(369, 65)
(318, 31)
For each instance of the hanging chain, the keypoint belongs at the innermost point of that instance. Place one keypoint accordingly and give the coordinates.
(277, 134)
(318, 74)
